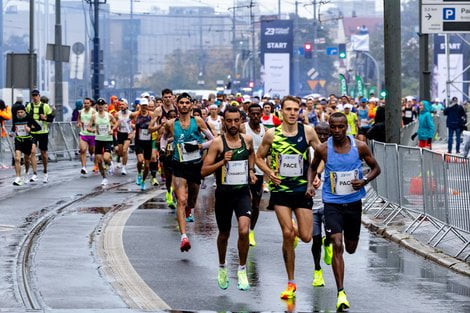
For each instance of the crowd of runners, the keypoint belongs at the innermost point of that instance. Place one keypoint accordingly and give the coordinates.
(289, 147)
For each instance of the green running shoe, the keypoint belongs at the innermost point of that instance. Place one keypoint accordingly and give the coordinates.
(242, 280)
(318, 279)
(342, 304)
(222, 278)
(328, 252)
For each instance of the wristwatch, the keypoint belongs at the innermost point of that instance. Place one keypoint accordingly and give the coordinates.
(366, 180)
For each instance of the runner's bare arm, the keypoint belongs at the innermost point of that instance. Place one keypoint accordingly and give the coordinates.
(91, 124)
(251, 158)
(114, 123)
(262, 153)
(318, 157)
(209, 165)
(203, 128)
(312, 136)
(366, 155)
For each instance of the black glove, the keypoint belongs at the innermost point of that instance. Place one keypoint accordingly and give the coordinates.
(414, 136)
(190, 147)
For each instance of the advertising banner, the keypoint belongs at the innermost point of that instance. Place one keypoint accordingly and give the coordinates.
(276, 55)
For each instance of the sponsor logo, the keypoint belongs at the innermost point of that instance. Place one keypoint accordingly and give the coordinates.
(271, 31)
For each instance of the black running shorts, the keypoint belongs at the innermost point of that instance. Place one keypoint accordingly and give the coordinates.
(344, 217)
(187, 170)
(227, 202)
(293, 200)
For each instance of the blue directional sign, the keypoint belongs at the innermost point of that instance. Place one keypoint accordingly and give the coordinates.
(331, 50)
(448, 14)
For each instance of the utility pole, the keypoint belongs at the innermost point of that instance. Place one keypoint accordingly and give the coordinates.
(131, 53)
(296, 55)
(96, 51)
(279, 9)
(315, 48)
(58, 90)
(2, 68)
(201, 48)
(31, 69)
(234, 44)
(424, 73)
(253, 51)
(392, 56)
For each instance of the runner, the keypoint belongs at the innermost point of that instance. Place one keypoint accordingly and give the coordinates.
(214, 120)
(364, 120)
(165, 163)
(342, 193)
(323, 132)
(231, 157)
(268, 119)
(125, 134)
(155, 146)
(87, 139)
(256, 131)
(22, 126)
(42, 114)
(291, 186)
(103, 124)
(187, 159)
(353, 124)
(143, 142)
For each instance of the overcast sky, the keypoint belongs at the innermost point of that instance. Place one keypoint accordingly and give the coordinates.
(266, 6)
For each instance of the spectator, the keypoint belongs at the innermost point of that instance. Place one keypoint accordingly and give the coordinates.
(5, 114)
(426, 126)
(76, 111)
(377, 131)
(456, 120)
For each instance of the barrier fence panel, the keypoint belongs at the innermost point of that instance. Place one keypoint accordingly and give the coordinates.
(434, 185)
(379, 150)
(458, 173)
(406, 132)
(391, 163)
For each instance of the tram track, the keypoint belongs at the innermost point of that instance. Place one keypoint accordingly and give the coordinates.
(25, 279)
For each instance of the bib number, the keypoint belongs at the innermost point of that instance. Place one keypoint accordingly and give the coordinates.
(408, 114)
(341, 182)
(21, 130)
(364, 122)
(291, 165)
(123, 127)
(235, 173)
(186, 156)
(103, 130)
(144, 134)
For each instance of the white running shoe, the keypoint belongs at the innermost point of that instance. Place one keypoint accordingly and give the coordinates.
(104, 182)
(18, 181)
(119, 165)
(111, 169)
(34, 178)
(123, 171)
(83, 171)
(26, 179)
(46, 178)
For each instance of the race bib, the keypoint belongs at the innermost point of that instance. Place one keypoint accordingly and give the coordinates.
(144, 134)
(408, 114)
(186, 156)
(235, 173)
(364, 122)
(291, 165)
(21, 130)
(103, 129)
(341, 182)
(123, 127)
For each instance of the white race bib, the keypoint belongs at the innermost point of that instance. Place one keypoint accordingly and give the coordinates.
(186, 156)
(235, 173)
(291, 165)
(341, 182)
(364, 122)
(123, 127)
(144, 134)
(408, 114)
(21, 130)
(103, 129)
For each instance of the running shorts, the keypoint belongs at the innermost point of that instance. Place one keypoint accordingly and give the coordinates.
(41, 141)
(227, 202)
(144, 147)
(103, 146)
(344, 217)
(187, 170)
(293, 200)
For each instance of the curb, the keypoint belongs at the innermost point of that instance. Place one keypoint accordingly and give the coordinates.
(409, 242)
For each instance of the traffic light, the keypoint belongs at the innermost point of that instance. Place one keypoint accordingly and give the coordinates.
(308, 47)
(342, 50)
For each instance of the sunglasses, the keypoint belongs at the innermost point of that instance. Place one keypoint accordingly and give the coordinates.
(184, 102)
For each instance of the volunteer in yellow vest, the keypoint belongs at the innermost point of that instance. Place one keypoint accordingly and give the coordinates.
(43, 115)
(353, 122)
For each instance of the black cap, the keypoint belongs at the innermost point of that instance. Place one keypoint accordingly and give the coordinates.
(101, 101)
(35, 92)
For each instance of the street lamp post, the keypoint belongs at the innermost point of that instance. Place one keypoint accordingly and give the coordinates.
(377, 69)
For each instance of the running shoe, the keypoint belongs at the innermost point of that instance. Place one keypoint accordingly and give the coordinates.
(289, 293)
(265, 188)
(328, 252)
(111, 169)
(142, 185)
(119, 165)
(243, 283)
(190, 219)
(318, 279)
(296, 242)
(214, 185)
(34, 178)
(95, 169)
(17, 181)
(26, 179)
(342, 304)
(83, 171)
(169, 200)
(222, 278)
(154, 181)
(138, 180)
(104, 182)
(185, 245)
(45, 179)
(123, 171)
(251, 238)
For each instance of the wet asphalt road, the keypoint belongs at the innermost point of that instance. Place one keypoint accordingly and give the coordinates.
(380, 276)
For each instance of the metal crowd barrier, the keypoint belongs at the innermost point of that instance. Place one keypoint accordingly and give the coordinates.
(63, 142)
(426, 186)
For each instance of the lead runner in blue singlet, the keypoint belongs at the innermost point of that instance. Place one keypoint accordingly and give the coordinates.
(342, 192)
